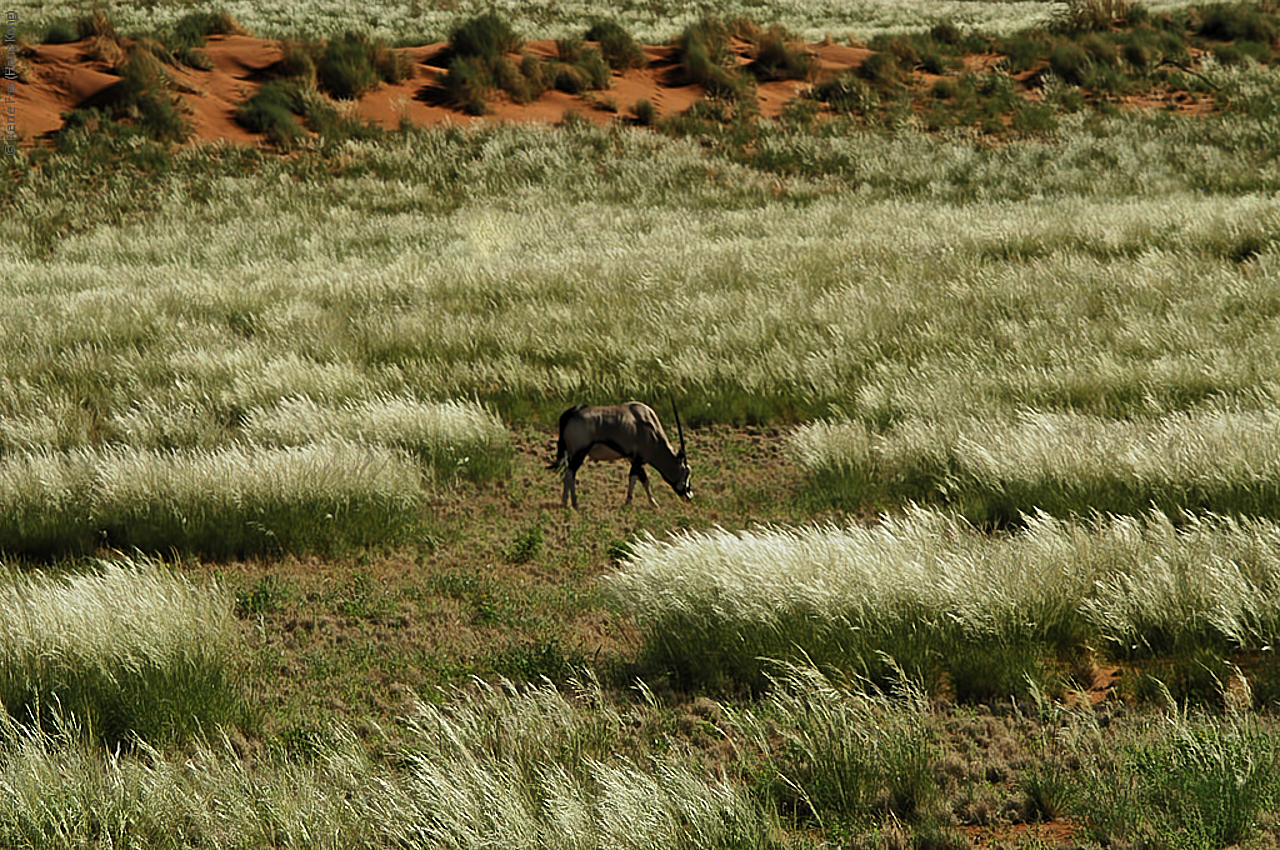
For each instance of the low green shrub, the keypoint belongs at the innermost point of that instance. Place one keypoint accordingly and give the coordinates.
(1071, 62)
(97, 23)
(841, 755)
(345, 69)
(467, 84)
(645, 112)
(1024, 52)
(481, 63)
(847, 94)
(193, 29)
(881, 69)
(273, 111)
(144, 96)
(1237, 22)
(60, 32)
(296, 62)
(777, 59)
(1195, 781)
(704, 57)
(617, 46)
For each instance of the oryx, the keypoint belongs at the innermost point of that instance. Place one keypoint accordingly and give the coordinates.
(628, 431)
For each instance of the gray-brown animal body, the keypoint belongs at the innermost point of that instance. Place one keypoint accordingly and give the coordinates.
(628, 431)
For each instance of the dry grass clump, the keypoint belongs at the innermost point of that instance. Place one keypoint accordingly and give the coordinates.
(1063, 463)
(954, 607)
(503, 768)
(129, 649)
(455, 438)
(233, 500)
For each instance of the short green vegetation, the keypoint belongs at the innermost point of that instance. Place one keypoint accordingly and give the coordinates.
(482, 63)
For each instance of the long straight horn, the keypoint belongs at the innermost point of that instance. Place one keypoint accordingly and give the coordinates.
(679, 427)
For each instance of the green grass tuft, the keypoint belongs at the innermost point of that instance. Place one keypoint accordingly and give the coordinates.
(127, 650)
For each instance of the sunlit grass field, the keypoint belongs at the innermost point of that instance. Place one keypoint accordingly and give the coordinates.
(972, 421)
(651, 23)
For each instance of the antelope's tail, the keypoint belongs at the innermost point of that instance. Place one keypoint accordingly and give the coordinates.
(562, 449)
(562, 455)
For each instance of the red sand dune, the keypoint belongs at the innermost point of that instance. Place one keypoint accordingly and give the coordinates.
(69, 76)
(66, 76)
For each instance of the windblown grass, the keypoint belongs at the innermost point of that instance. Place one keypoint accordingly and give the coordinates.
(838, 754)
(130, 649)
(230, 501)
(1065, 464)
(455, 439)
(424, 24)
(507, 769)
(952, 606)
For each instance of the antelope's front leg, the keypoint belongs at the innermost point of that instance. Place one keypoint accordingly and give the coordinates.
(638, 474)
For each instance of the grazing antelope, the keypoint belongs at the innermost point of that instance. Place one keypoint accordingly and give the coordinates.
(628, 431)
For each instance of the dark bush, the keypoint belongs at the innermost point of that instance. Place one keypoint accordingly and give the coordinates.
(1070, 61)
(946, 32)
(588, 62)
(296, 63)
(143, 97)
(646, 113)
(194, 29)
(468, 83)
(618, 47)
(351, 65)
(881, 68)
(1241, 21)
(60, 32)
(1022, 53)
(273, 112)
(488, 35)
(776, 59)
(570, 79)
(97, 24)
(703, 48)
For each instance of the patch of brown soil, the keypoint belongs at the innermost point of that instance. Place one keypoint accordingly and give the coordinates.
(1055, 834)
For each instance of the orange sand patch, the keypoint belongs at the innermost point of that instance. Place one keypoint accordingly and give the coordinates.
(66, 77)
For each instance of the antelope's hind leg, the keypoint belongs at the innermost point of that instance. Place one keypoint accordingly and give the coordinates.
(571, 480)
(570, 489)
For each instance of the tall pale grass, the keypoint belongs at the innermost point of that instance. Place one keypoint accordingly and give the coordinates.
(233, 500)
(502, 769)
(429, 23)
(840, 752)
(1115, 271)
(129, 648)
(453, 437)
(1067, 463)
(949, 603)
